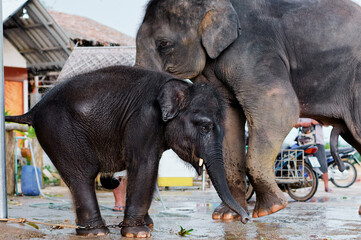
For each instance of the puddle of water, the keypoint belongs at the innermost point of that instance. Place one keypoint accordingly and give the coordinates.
(61, 206)
(169, 213)
(320, 199)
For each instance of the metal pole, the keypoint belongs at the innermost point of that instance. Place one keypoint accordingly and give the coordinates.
(204, 178)
(3, 196)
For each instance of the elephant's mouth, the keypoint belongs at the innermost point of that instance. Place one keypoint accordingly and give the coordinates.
(198, 165)
(181, 73)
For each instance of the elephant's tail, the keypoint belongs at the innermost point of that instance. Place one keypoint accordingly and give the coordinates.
(25, 118)
(108, 181)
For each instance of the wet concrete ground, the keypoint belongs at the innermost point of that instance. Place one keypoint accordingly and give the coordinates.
(327, 216)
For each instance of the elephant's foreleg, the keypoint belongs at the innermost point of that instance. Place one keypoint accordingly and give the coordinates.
(270, 115)
(234, 160)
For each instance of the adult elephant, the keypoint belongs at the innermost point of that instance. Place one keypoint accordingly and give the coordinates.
(280, 59)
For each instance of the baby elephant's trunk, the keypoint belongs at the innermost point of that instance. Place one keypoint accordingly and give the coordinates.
(215, 168)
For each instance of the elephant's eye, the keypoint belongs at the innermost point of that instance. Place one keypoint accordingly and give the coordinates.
(163, 45)
(206, 128)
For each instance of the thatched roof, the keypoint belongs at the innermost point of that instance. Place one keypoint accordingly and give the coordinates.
(87, 32)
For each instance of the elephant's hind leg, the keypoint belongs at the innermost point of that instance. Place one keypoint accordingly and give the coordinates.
(78, 166)
(87, 209)
(350, 138)
(82, 187)
(352, 130)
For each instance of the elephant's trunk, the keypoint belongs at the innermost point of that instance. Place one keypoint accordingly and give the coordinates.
(215, 168)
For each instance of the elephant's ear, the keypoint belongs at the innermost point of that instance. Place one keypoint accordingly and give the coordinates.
(171, 98)
(219, 28)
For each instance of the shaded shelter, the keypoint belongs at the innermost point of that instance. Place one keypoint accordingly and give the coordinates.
(86, 59)
(36, 35)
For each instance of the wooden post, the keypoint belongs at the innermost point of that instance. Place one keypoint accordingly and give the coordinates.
(10, 164)
(10, 151)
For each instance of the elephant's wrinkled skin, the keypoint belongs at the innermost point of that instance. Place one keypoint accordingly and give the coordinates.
(124, 118)
(280, 59)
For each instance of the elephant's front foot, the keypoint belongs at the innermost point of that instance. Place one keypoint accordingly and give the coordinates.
(225, 213)
(89, 231)
(268, 203)
(135, 229)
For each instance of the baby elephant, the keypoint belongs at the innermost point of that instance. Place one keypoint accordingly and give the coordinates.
(120, 118)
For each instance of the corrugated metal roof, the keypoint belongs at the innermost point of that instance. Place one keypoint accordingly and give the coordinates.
(86, 59)
(38, 38)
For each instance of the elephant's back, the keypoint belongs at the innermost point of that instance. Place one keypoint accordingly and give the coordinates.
(104, 98)
(111, 80)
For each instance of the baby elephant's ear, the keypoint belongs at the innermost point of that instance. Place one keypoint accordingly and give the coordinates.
(171, 97)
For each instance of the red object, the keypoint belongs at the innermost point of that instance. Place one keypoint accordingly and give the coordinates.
(311, 150)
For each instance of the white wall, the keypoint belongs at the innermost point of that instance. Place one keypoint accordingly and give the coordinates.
(12, 58)
(172, 166)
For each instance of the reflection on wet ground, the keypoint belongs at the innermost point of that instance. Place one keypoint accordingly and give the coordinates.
(319, 199)
(326, 216)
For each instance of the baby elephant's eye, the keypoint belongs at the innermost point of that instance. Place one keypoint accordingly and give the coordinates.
(206, 128)
(163, 44)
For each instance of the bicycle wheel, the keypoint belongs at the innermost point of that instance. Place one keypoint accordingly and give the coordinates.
(304, 190)
(342, 179)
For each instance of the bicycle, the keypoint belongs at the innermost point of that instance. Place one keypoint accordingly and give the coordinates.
(349, 175)
(294, 173)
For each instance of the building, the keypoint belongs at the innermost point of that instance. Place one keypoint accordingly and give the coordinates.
(34, 46)
(38, 42)
(85, 32)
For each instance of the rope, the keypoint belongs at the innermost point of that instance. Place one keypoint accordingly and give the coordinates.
(24, 220)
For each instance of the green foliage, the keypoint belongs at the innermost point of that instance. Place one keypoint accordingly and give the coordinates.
(183, 232)
(7, 113)
(31, 132)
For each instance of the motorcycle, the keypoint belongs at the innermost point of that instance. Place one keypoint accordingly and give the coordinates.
(349, 175)
(294, 172)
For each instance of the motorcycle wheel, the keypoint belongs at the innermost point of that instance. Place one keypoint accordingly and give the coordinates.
(342, 179)
(250, 190)
(304, 190)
